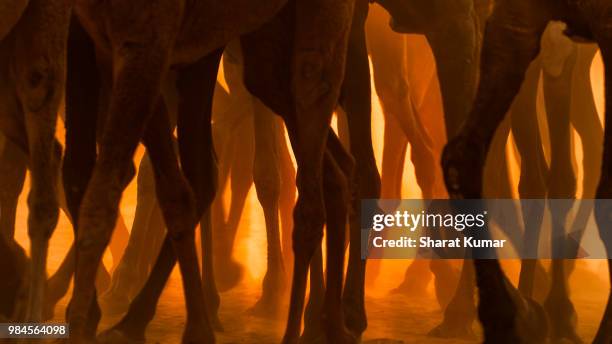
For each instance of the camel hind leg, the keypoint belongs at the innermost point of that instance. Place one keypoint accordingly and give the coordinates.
(603, 208)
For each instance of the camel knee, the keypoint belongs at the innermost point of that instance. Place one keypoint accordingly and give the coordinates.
(145, 180)
(43, 213)
(267, 184)
(310, 80)
(309, 218)
(39, 85)
(178, 205)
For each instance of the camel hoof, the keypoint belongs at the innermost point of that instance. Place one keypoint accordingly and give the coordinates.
(48, 311)
(114, 304)
(455, 329)
(103, 280)
(115, 336)
(216, 324)
(409, 290)
(562, 318)
(341, 335)
(228, 275)
(312, 337)
(354, 318)
(198, 335)
(265, 308)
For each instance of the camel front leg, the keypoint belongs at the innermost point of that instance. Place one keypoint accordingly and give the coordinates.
(39, 68)
(511, 42)
(322, 29)
(365, 184)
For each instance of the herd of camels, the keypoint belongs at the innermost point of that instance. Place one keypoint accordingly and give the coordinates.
(136, 71)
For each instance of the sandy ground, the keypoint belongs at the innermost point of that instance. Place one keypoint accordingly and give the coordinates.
(390, 316)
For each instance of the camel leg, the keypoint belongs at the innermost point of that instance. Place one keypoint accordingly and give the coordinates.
(13, 167)
(136, 88)
(393, 156)
(266, 175)
(509, 47)
(356, 102)
(198, 158)
(133, 268)
(39, 68)
(82, 97)
(286, 198)
(337, 200)
(231, 272)
(585, 121)
(455, 48)
(604, 189)
(313, 330)
(318, 68)
(240, 145)
(532, 183)
(561, 185)
(460, 312)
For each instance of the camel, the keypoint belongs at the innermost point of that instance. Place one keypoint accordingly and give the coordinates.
(32, 58)
(511, 42)
(135, 109)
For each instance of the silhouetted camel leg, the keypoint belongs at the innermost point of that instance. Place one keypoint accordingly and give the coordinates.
(286, 198)
(266, 176)
(37, 44)
(337, 201)
(82, 97)
(13, 167)
(13, 266)
(197, 148)
(507, 52)
(323, 314)
(561, 185)
(393, 157)
(532, 183)
(195, 138)
(148, 224)
(585, 121)
(13, 263)
(136, 91)
(313, 326)
(356, 102)
(316, 81)
(604, 189)
(394, 153)
(239, 159)
(133, 269)
(229, 271)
